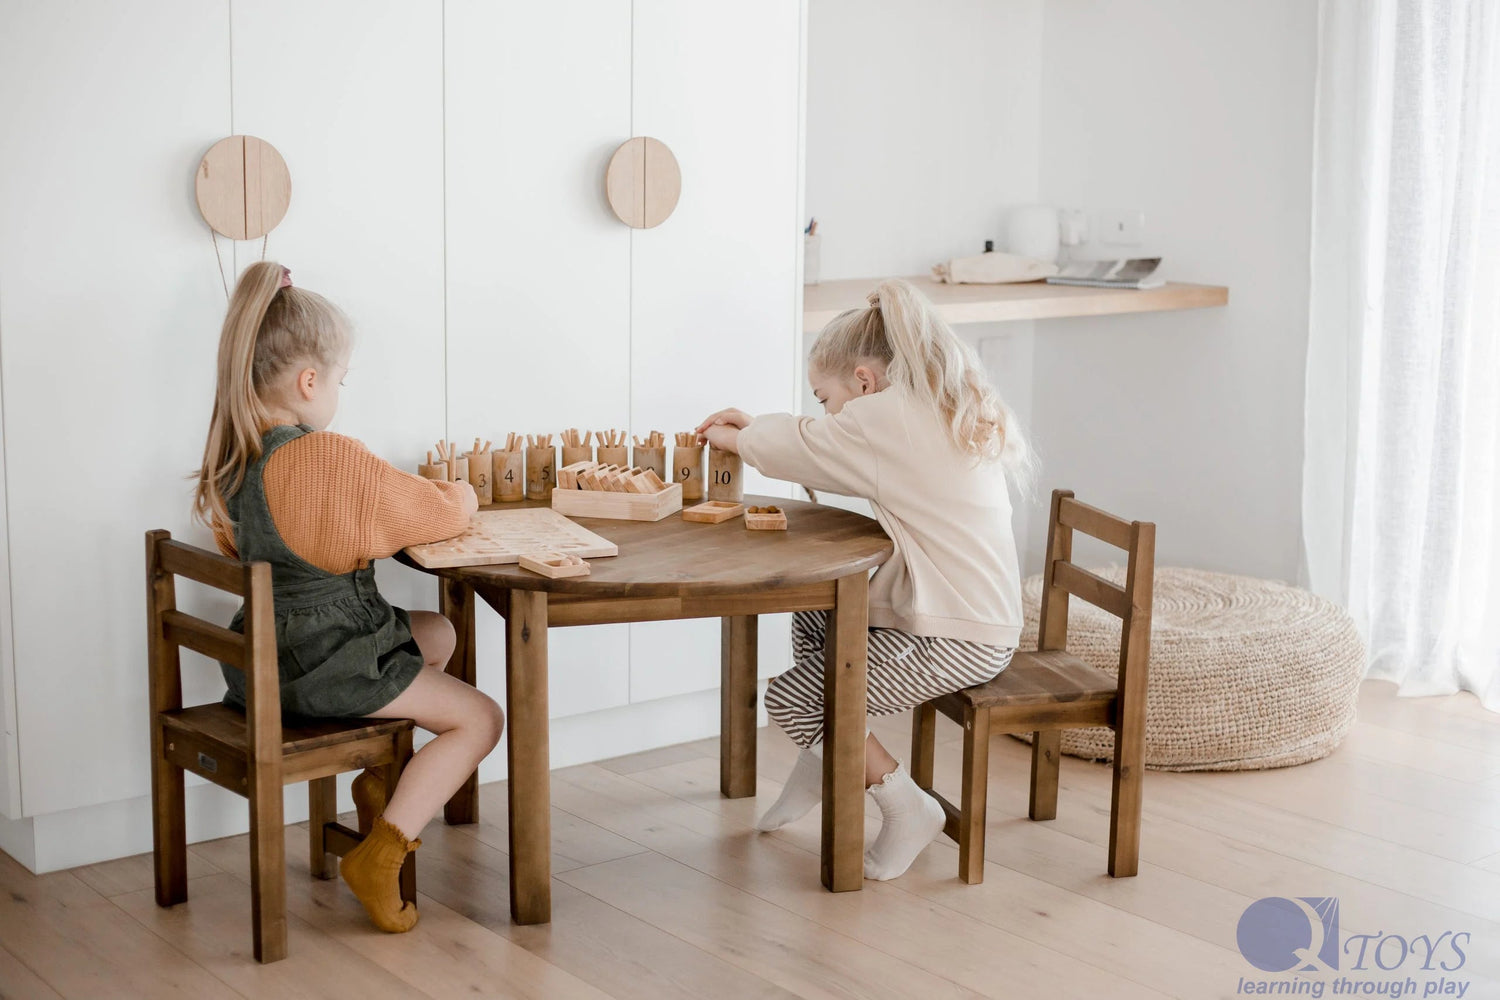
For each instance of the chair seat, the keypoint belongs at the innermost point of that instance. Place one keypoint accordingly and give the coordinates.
(1043, 677)
(309, 747)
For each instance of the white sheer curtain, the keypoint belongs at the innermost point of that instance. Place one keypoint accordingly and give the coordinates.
(1401, 494)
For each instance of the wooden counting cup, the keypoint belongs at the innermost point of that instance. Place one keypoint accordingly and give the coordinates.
(654, 459)
(687, 469)
(554, 565)
(437, 471)
(508, 476)
(572, 455)
(458, 469)
(713, 512)
(541, 472)
(725, 472)
(765, 519)
(613, 455)
(481, 473)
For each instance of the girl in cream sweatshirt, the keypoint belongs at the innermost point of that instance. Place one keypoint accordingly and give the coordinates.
(912, 426)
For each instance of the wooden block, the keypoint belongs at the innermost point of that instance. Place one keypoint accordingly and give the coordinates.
(765, 519)
(554, 565)
(657, 482)
(713, 512)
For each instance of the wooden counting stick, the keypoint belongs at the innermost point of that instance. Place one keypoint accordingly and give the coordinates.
(554, 565)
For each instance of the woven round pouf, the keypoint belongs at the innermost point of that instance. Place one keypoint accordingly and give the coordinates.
(1244, 673)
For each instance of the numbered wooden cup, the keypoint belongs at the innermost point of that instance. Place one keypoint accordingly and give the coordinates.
(687, 469)
(509, 475)
(541, 472)
(437, 470)
(613, 455)
(578, 453)
(654, 459)
(481, 473)
(725, 472)
(458, 469)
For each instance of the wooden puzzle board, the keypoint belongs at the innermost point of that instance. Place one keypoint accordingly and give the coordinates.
(503, 536)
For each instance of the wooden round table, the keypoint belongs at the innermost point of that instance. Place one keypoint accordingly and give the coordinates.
(666, 570)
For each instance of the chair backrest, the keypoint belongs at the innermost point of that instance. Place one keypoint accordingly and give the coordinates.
(254, 651)
(1131, 603)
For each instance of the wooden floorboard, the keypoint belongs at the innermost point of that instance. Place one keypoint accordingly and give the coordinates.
(663, 890)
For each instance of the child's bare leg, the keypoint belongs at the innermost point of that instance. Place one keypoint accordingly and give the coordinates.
(878, 762)
(468, 724)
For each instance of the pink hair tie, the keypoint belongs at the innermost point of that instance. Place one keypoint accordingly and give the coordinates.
(286, 278)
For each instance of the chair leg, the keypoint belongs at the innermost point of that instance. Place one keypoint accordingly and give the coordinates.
(322, 809)
(1046, 750)
(975, 794)
(392, 777)
(168, 829)
(1125, 802)
(267, 869)
(923, 745)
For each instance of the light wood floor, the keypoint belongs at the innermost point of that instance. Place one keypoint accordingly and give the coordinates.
(663, 890)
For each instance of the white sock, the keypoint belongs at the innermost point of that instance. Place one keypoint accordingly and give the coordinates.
(911, 819)
(802, 791)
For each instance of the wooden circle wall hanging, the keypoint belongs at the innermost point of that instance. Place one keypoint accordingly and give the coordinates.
(243, 187)
(643, 182)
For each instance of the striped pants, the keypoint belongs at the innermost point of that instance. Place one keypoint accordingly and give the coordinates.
(905, 670)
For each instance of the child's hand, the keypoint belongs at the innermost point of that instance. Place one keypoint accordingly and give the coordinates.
(471, 499)
(731, 417)
(724, 437)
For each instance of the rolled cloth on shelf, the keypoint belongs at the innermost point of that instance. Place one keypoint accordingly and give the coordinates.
(992, 268)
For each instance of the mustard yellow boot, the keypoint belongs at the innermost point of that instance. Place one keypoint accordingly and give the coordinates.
(373, 871)
(369, 798)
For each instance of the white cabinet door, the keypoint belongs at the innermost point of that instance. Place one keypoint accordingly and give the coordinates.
(714, 288)
(351, 93)
(110, 307)
(538, 95)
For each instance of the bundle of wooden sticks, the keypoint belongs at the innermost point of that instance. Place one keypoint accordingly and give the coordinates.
(610, 439)
(656, 439)
(608, 478)
(686, 439)
(571, 438)
(512, 441)
(539, 440)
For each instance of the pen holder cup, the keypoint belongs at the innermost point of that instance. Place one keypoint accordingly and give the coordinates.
(687, 469)
(508, 475)
(481, 476)
(580, 453)
(725, 476)
(652, 458)
(541, 472)
(613, 455)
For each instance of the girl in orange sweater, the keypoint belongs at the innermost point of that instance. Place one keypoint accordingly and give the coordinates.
(319, 507)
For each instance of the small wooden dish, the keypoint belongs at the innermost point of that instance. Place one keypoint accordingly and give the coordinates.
(713, 511)
(765, 519)
(554, 565)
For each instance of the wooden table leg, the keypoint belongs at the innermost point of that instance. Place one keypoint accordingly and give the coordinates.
(738, 659)
(456, 602)
(530, 794)
(844, 677)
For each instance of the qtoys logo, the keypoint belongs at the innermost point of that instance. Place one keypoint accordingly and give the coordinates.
(1297, 941)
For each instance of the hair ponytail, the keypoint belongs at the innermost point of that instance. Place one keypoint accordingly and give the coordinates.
(267, 329)
(924, 357)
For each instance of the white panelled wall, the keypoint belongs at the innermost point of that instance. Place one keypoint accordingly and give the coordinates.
(447, 164)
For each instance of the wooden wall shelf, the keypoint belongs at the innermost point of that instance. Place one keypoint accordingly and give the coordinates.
(1000, 303)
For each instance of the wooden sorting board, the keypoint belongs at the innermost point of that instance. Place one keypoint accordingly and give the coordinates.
(503, 536)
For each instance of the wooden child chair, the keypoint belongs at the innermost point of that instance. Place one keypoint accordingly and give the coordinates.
(252, 754)
(1047, 691)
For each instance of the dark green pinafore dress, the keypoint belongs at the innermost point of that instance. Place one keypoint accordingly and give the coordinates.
(342, 649)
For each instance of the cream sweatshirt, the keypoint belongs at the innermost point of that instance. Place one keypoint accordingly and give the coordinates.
(954, 573)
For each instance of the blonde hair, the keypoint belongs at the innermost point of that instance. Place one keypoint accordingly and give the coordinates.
(923, 356)
(267, 330)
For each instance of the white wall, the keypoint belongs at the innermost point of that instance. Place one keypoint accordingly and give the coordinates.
(922, 134)
(1199, 113)
(447, 164)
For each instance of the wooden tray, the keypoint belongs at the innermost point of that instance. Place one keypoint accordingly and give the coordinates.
(503, 536)
(713, 512)
(620, 506)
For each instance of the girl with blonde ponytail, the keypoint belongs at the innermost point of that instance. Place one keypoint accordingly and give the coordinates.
(912, 425)
(277, 487)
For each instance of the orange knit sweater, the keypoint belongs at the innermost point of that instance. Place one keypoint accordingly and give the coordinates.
(338, 506)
